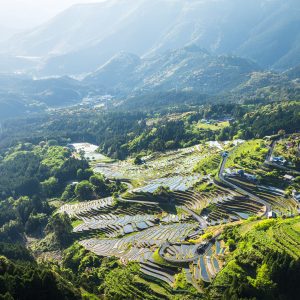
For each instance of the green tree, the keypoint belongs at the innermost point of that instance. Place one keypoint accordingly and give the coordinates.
(60, 225)
(50, 187)
(84, 190)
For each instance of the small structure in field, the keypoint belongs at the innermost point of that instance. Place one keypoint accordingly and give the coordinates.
(272, 215)
(278, 160)
(287, 177)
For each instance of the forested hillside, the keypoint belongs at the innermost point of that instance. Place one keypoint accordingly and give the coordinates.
(120, 133)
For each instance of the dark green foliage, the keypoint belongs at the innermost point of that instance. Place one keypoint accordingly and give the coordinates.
(15, 252)
(84, 174)
(31, 174)
(86, 269)
(138, 160)
(269, 119)
(276, 278)
(69, 192)
(122, 133)
(18, 174)
(36, 223)
(60, 225)
(12, 231)
(29, 281)
(84, 190)
(32, 170)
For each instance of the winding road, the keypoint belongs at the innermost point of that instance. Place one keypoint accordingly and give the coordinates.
(241, 190)
(268, 161)
(199, 219)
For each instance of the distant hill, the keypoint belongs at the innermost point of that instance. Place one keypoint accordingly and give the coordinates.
(269, 86)
(189, 68)
(86, 36)
(20, 94)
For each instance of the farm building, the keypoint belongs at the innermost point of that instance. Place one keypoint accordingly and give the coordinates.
(272, 215)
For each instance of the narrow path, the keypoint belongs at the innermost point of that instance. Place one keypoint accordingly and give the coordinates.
(199, 219)
(138, 201)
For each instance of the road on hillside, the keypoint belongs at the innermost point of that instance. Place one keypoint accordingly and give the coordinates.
(199, 219)
(239, 189)
(275, 165)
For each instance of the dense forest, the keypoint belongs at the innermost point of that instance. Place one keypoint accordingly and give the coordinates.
(120, 134)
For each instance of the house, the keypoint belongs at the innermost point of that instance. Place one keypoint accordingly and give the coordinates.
(250, 177)
(296, 195)
(272, 215)
(241, 173)
(287, 177)
(278, 159)
(225, 154)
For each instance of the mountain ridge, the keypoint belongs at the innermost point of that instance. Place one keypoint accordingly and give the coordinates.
(89, 35)
(186, 68)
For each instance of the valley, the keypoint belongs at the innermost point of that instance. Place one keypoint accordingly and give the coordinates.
(151, 150)
(167, 224)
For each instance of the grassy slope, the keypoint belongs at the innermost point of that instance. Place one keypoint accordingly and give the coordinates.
(249, 155)
(213, 127)
(254, 241)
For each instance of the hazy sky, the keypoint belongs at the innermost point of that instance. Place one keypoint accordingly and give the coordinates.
(23, 14)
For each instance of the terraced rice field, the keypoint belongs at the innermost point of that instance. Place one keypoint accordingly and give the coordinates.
(136, 225)
(90, 151)
(107, 206)
(118, 225)
(114, 225)
(273, 196)
(197, 201)
(117, 248)
(139, 246)
(157, 165)
(177, 252)
(207, 266)
(158, 272)
(234, 209)
(176, 183)
(87, 208)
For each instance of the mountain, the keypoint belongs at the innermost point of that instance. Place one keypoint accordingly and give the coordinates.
(293, 73)
(188, 68)
(88, 35)
(20, 94)
(269, 86)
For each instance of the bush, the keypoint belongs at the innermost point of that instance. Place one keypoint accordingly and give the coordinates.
(84, 190)
(265, 224)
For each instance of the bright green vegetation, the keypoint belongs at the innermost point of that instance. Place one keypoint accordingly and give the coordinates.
(76, 223)
(157, 258)
(213, 126)
(209, 165)
(248, 156)
(264, 262)
(288, 148)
